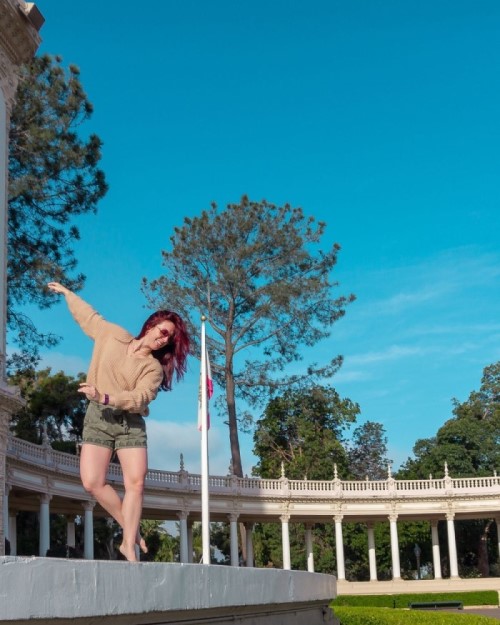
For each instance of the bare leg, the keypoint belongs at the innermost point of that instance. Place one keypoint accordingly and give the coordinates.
(134, 463)
(94, 462)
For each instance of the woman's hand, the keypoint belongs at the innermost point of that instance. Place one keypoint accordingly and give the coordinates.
(90, 391)
(58, 288)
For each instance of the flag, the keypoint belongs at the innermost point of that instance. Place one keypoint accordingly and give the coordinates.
(210, 391)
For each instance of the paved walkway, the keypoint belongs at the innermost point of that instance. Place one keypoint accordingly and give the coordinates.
(491, 612)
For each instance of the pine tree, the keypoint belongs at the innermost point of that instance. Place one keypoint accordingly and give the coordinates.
(256, 271)
(53, 177)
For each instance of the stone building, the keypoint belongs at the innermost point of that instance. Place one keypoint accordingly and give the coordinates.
(19, 39)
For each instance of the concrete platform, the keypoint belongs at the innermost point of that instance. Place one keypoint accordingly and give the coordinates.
(54, 591)
(394, 587)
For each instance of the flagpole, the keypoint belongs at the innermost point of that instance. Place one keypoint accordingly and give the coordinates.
(205, 519)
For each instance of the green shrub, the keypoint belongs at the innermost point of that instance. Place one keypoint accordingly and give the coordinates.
(482, 597)
(386, 616)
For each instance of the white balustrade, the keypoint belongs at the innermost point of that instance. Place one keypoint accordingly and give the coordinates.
(41, 456)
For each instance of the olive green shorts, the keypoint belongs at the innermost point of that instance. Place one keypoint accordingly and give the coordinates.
(113, 428)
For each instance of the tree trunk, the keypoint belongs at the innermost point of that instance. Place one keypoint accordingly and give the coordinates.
(237, 467)
(482, 552)
(233, 426)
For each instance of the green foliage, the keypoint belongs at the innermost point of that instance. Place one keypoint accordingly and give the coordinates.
(410, 534)
(479, 597)
(220, 538)
(54, 408)
(368, 452)
(385, 616)
(220, 550)
(268, 549)
(469, 442)
(162, 546)
(468, 445)
(256, 271)
(303, 431)
(53, 177)
(27, 533)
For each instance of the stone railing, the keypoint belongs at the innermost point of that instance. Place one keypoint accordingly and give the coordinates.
(59, 462)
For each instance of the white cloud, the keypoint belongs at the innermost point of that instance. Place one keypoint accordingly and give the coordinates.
(167, 440)
(402, 301)
(394, 352)
(455, 328)
(344, 376)
(445, 277)
(70, 365)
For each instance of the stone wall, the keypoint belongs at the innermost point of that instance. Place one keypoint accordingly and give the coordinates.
(124, 593)
(19, 40)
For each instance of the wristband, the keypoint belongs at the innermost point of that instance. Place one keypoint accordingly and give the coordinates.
(106, 399)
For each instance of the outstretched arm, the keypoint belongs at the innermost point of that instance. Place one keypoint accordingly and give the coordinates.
(58, 288)
(87, 318)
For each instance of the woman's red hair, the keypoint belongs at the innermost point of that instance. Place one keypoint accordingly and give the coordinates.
(173, 355)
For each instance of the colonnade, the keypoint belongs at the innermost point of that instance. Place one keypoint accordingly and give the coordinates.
(44, 480)
(10, 526)
(186, 538)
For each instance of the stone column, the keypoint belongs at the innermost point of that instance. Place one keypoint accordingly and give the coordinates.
(88, 530)
(497, 521)
(190, 541)
(183, 538)
(233, 532)
(44, 515)
(396, 567)
(339, 547)
(6, 512)
(249, 544)
(309, 548)
(452, 545)
(19, 40)
(372, 556)
(285, 541)
(70, 532)
(8, 406)
(436, 555)
(13, 533)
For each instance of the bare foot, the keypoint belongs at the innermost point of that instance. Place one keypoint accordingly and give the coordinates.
(128, 553)
(142, 543)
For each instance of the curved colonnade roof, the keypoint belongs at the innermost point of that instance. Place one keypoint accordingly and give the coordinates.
(33, 470)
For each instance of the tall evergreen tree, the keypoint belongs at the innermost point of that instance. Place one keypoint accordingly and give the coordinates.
(54, 409)
(468, 444)
(305, 432)
(54, 176)
(367, 452)
(256, 271)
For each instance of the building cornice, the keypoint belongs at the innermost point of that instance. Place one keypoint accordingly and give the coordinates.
(39, 468)
(19, 40)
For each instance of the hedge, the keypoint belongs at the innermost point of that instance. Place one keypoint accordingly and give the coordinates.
(387, 616)
(482, 597)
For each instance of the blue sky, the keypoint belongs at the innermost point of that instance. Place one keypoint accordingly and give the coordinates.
(380, 118)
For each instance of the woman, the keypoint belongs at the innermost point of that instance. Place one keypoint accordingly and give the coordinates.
(124, 376)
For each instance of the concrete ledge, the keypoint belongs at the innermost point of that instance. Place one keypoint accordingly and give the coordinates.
(51, 590)
(391, 587)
